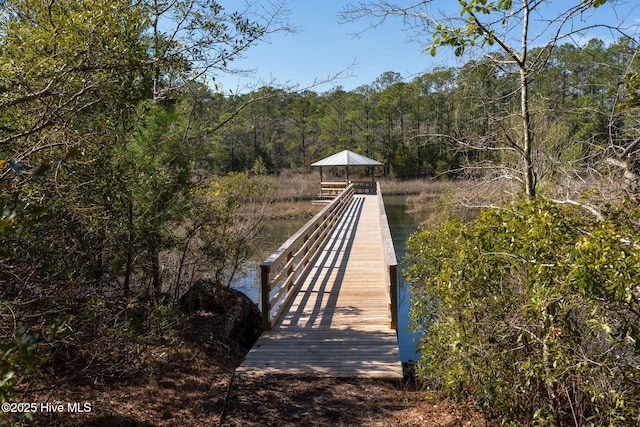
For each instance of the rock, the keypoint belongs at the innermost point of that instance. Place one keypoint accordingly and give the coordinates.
(232, 315)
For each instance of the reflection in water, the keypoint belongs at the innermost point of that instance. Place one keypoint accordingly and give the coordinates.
(401, 224)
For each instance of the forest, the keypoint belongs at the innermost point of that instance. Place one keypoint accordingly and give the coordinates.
(443, 123)
(129, 179)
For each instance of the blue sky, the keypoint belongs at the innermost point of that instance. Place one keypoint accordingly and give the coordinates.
(323, 47)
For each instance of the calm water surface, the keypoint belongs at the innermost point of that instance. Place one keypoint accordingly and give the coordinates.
(401, 223)
(274, 234)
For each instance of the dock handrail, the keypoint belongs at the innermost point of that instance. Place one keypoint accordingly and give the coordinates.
(391, 262)
(282, 271)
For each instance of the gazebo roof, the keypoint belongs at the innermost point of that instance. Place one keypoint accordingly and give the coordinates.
(346, 158)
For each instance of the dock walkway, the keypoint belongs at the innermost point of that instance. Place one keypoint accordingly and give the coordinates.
(337, 324)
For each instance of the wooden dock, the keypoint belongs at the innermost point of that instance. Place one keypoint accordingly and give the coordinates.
(337, 321)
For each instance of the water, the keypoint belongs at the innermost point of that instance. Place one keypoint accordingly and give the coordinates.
(274, 234)
(401, 223)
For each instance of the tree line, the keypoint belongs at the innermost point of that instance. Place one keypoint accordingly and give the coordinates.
(448, 122)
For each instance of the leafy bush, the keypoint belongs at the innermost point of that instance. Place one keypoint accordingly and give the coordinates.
(119, 339)
(533, 310)
(226, 219)
(22, 356)
(18, 358)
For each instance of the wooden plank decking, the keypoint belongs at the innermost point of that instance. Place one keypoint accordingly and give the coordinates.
(338, 323)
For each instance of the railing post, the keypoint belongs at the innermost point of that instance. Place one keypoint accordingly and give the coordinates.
(306, 249)
(266, 296)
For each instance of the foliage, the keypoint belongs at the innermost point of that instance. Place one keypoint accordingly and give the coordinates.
(227, 216)
(18, 358)
(502, 33)
(108, 132)
(122, 339)
(156, 178)
(57, 121)
(61, 62)
(23, 355)
(632, 87)
(452, 122)
(532, 310)
(193, 40)
(106, 129)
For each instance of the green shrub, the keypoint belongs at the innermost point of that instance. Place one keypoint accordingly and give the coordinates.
(119, 339)
(533, 310)
(21, 357)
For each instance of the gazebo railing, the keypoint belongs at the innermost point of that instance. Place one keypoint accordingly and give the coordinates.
(331, 189)
(365, 187)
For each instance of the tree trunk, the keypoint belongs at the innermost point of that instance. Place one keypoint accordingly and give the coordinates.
(155, 274)
(527, 137)
(130, 239)
(529, 173)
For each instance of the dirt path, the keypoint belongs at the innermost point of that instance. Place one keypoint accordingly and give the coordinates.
(298, 401)
(196, 395)
(188, 385)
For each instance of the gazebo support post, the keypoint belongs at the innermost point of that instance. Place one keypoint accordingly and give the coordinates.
(373, 179)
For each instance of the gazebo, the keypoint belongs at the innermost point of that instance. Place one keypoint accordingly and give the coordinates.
(346, 159)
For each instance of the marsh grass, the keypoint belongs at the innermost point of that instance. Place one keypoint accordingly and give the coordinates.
(442, 198)
(438, 199)
(391, 186)
(291, 186)
(287, 190)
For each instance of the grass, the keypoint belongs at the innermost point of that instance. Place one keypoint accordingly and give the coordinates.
(290, 186)
(441, 198)
(287, 190)
(391, 186)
